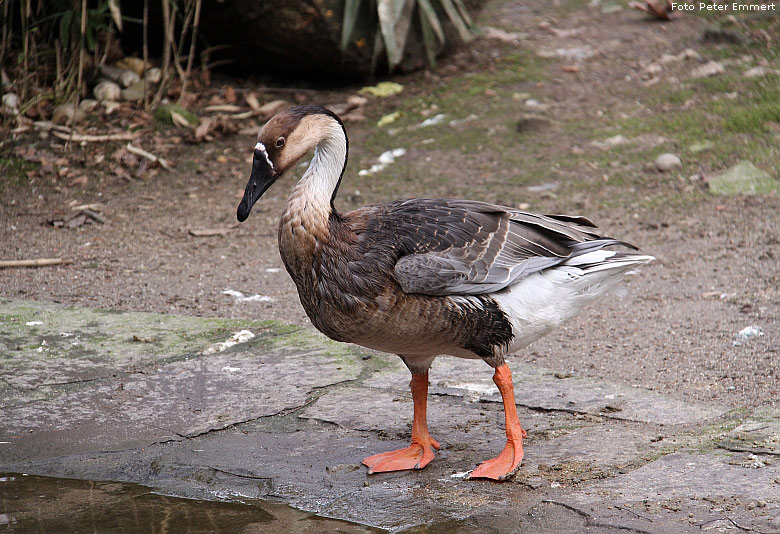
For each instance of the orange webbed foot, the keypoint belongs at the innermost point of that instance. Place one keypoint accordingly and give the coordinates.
(415, 456)
(506, 463)
(501, 467)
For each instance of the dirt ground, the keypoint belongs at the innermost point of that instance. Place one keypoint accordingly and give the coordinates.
(533, 109)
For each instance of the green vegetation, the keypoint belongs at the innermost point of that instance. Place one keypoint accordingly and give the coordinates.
(13, 170)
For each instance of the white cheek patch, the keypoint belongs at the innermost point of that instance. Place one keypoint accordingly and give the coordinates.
(261, 147)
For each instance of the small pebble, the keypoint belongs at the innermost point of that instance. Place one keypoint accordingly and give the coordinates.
(107, 91)
(667, 162)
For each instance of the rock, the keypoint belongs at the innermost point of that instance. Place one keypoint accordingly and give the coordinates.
(88, 104)
(701, 147)
(110, 73)
(755, 72)
(65, 113)
(134, 92)
(708, 69)
(744, 178)
(153, 75)
(611, 142)
(716, 34)
(11, 103)
(128, 78)
(667, 162)
(653, 69)
(689, 53)
(107, 91)
(669, 58)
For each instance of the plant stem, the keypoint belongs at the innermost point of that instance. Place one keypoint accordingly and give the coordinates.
(191, 57)
(167, 45)
(146, 51)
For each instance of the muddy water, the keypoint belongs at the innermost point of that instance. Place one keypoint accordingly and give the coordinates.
(33, 504)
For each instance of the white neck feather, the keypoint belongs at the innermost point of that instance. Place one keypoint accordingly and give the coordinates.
(322, 177)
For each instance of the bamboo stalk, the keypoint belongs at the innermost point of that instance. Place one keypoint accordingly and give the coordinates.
(146, 52)
(167, 45)
(6, 30)
(191, 57)
(80, 76)
(24, 11)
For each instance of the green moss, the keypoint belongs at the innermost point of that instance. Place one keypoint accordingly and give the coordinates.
(163, 114)
(13, 170)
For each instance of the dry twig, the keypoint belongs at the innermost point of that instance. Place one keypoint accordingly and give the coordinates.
(148, 155)
(40, 262)
(78, 138)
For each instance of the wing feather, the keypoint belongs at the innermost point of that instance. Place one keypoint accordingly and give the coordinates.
(460, 247)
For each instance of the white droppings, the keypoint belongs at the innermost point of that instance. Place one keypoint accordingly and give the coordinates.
(239, 337)
(747, 333)
(433, 121)
(273, 270)
(240, 297)
(34, 323)
(384, 159)
(482, 389)
(261, 147)
(462, 474)
(231, 369)
(455, 122)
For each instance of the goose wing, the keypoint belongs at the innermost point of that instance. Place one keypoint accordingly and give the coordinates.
(457, 247)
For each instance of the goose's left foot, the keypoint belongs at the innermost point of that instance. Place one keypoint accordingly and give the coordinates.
(420, 452)
(505, 464)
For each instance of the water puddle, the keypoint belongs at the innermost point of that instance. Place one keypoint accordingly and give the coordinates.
(34, 504)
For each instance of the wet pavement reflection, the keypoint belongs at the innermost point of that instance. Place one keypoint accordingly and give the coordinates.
(33, 504)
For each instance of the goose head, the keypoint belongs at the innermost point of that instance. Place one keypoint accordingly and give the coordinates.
(282, 142)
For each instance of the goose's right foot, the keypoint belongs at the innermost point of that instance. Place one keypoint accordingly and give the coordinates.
(420, 452)
(415, 456)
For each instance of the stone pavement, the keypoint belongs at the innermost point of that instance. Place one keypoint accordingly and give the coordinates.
(287, 416)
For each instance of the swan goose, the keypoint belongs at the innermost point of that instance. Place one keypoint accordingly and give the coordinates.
(426, 277)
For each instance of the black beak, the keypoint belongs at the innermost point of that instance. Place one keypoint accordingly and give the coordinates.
(260, 180)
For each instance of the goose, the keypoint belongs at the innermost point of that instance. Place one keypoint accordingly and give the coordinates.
(427, 277)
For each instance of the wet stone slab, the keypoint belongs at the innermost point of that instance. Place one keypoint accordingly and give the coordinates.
(162, 389)
(288, 416)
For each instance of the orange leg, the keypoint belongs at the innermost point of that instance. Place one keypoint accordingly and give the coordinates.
(505, 464)
(419, 453)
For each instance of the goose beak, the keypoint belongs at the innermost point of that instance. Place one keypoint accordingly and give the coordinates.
(260, 180)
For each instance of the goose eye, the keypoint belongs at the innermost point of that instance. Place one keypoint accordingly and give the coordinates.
(280, 142)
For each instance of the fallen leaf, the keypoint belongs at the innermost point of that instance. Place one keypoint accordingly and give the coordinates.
(389, 118)
(230, 94)
(570, 68)
(179, 120)
(252, 101)
(272, 107)
(78, 180)
(383, 89)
